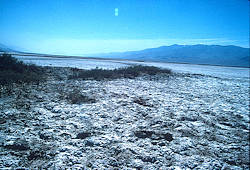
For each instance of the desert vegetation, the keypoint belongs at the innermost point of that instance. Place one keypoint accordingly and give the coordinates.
(127, 72)
(14, 71)
(76, 97)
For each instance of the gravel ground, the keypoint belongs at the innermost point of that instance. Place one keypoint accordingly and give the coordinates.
(179, 121)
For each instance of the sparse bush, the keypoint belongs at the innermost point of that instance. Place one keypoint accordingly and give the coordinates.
(127, 72)
(14, 71)
(76, 97)
(142, 101)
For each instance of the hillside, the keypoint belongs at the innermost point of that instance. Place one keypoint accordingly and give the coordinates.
(4, 48)
(195, 54)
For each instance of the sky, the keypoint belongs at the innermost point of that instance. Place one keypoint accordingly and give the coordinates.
(83, 27)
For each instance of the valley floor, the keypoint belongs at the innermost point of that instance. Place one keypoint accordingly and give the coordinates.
(151, 122)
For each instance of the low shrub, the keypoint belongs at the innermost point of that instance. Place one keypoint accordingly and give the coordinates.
(14, 71)
(127, 72)
(76, 97)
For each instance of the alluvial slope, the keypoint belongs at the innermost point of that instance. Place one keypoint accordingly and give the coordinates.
(150, 122)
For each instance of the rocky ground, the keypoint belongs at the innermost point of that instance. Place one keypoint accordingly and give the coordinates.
(179, 121)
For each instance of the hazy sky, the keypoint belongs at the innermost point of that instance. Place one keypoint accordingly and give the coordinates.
(94, 26)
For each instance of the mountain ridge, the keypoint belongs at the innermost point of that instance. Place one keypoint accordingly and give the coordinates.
(229, 55)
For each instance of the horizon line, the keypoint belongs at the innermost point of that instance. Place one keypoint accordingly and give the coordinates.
(82, 55)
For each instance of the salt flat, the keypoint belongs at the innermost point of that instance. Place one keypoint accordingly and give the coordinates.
(173, 121)
(217, 71)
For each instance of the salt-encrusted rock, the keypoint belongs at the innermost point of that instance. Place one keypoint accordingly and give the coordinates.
(153, 135)
(150, 159)
(159, 122)
(18, 145)
(36, 154)
(2, 120)
(83, 135)
(89, 143)
(44, 136)
(165, 136)
(56, 110)
(144, 134)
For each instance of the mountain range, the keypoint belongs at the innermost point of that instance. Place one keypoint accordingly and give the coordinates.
(4, 48)
(194, 54)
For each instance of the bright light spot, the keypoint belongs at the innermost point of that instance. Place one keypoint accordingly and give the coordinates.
(116, 12)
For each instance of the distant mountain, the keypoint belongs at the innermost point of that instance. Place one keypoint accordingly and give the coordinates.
(11, 49)
(195, 54)
(4, 48)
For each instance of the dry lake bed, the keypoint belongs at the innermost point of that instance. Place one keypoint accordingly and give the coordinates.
(184, 120)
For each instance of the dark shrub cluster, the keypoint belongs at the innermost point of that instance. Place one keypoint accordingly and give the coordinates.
(127, 72)
(76, 97)
(14, 71)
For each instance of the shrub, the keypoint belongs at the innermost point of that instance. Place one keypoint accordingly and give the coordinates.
(76, 97)
(14, 71)
(127, 72)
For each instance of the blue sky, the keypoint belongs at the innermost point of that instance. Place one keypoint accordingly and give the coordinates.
(79, 27)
